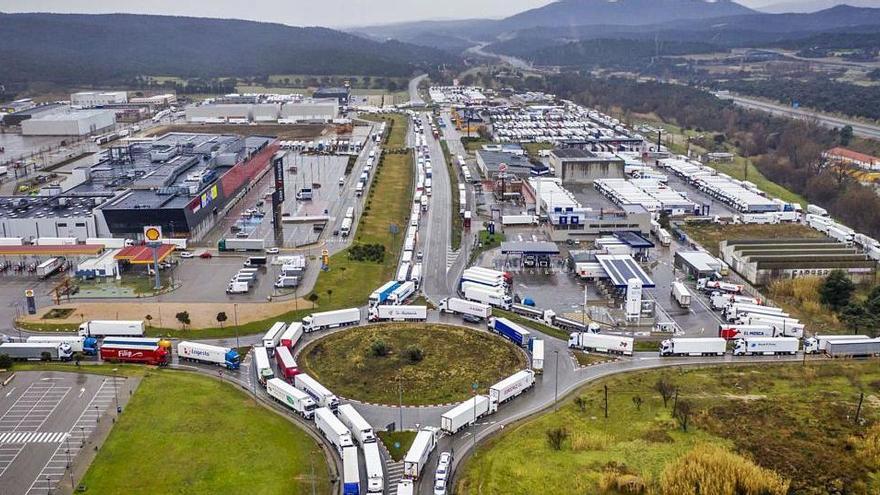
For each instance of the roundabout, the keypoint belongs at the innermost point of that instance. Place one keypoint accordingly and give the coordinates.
(417, 364)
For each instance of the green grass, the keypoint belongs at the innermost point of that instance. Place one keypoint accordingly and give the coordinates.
(588, 359)
(94, 369)
(167, 439)
(709, 235)
(487, 241)
(454, 358)
(534, 324)
(403, 439)
(457, 220)
(795, 420)
(398, 122)
(646, 345)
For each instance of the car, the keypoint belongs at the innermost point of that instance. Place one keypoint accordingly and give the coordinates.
(440, 487)
(186, 254)
(443, 465)
(335, 233)
(471, 318)
(272, 250)
(419, 255)
(341, 181)
(206, 255)
(242, 235)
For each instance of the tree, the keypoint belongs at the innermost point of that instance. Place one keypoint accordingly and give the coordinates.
(666, 389)
(379, 348)
(414, 354)
(581, 403)
(556, 437)
(183, 318)
(846, 135)
(836, 290)
(221, 317)
(683, 412)
(149, 318)
(637, 401)
(313, 298)
(5, 361)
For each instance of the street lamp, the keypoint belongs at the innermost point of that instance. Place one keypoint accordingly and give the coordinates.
(115, 394)
(400, 399)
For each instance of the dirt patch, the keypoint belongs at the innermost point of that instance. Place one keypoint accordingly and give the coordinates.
(285, 132)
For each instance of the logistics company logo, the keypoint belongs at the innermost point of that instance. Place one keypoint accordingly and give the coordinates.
(290, 400)
(129, 354)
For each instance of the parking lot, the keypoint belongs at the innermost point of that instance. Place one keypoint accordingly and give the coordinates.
(46, 419)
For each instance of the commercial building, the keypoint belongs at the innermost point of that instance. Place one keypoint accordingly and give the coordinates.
(305, 111)
(697, 264)
(760, 261)
(517, 165)
(578, 166)
(69, 122)
(309, 111)
(91, 99)
(31, 217)
(156, 101)
(341, 95)
(850, 157)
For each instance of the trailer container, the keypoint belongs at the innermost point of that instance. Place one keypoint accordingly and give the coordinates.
(537, 348)
(733, 332)
(611, 344)
(37, 351)
(273, 336)
(402, 293)
(398, 313)
(681, 294)
(415, 275)
(291, 336)
(512, 386)
(488, 296)
(519, 220)
(155, 355)
(733, 311)
(404, 487)
(331, 319)
(375, 472)
(527, 311)
(235, 244)
(380, 295)
(111, 328)
(360, 429)
(785, 327)
(721, 300)
(717, 285)
(421, 448)
(85, 345)
(205, 353)
(698, 346)
(351, 477)
(818, 344)
(507, 277)
(403, 272)
(49, 267)
(321, 395)
(262, 366)
(853, 348)
(345, 229)
(465, 307)
(55, 241)
(286, 364)
(510, 330)
(487, 280)
(766, 346)
(238, 287)
(291, 397)
(465, 414)
(332, 429)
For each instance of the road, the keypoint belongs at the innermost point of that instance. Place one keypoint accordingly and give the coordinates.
(414, 98)
(859, 128)
(513, 61)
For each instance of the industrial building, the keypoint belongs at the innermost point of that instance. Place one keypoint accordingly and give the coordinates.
(578, 166)
(155, 101)
(517, 165)
(69, 122)
(697, 264)
(27, 111)
(31, 217)
(91, 99)
(341, 95)
(305, 111)
(760, 261)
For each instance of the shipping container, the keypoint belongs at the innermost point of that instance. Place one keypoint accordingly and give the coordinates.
(291, 397)
(359, 427)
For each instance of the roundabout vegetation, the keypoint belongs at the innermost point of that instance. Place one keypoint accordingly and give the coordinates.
(432, 364)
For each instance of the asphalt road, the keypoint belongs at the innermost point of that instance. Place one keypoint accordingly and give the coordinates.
(414, 98)
(435, 230)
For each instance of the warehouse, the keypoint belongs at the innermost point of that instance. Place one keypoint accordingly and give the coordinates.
(760, 261)
(26, 112)
(341, 95)
(69, 122)
(309, 111)
(697, 264)
(262, 110)
(30, 217)
(219, 113)
(579, 166)
(91, 99)
(519, 166)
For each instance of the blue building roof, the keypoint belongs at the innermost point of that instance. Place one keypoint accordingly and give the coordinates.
(634, 240)
(622, 268)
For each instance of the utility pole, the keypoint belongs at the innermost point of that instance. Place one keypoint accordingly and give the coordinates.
(606, 401)
(556, 382)
(400, 399)
(115, 393)
(859, 409)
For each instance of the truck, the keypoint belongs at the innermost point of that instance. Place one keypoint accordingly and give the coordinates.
(464, 307)
(236, 244)
(537, 348)
(291, 336)
(359, 188)
(786, 327)
(286, 282)
(112, 328)
(331, 319)
(403, 273)
(733, 332)
(853, 348)
(345, 228)
(510, 330)
(415, 275)
(291, 397)
(766, 346)
(380, 295)
(717, 285)
(479, 270)
(49, 267)
(36, 351)
(696, 346)
(489, 297)
(273, 336)
(500, 290)
(735, 310)
(398, 313)
(681, 294)
(349, 212)
(85, 345)
(152, 354)
(511, 387)
(479, 278)
(320, 394)
(360, 429)
(238, 287)
(465, 414)
(304, 194)
(819, 343)
(597, 342)
(817, 210)
(402, 293)
(286, 364)
(351, 476)
(417, 456)
(519, 220)
(424, 202)
(375, 473)
(664, 237)
(720, 300)
(212, 354)
(404, 487)
(262, 366)
(255, 261)
(332, 429)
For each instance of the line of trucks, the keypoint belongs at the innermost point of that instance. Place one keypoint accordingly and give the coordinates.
(486, 286)
(583, 336)
(831, 345)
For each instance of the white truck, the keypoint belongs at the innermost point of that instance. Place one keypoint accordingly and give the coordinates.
(818, 343)
(291, 336)
(35, 351)
(732, 332)
(664, 236)
(415, 275)
(360, 429)
(466, 414)
(345, 228)
(519, 220)
(49, 267)
(262, 365)
(766, 346)
(291, 397)
(238, 287)
(720, 300)
(696, 346)
(537, 348)
(611, 344)
(786, 327)
(273, 336)
(85, 345)
(464, 307)
(331, 319)
(375, 472)
(404, 487)
(319, 393)
(398, 313)
(332, 429)
(206, 353)
(488, 296)
(112, 328)
(681, 294)
(511, 387)
(735, 310)
(402, 292)
(418, 453)
(403, 272)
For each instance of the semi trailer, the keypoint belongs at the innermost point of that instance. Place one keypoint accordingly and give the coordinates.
(359, 427)
(597, 342)
(152, 354)
(85, 345)
(351, 477)
(465, 414)
(512, 386)
(375, 472)
(273, 336)
(286, 364)
(417, 456)
(332, 429)
(291, 397)
(37, 351)
(464, 307)
(112, 328)
(681, 294)
(212, 354)
(488, 296)
(319, 393)
(766, 346)
(853, 348)
(697, 346)
(510, 330)
(331, 319)
(398, 313)
(291, 336)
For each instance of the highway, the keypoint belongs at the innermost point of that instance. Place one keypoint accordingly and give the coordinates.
(414, 98)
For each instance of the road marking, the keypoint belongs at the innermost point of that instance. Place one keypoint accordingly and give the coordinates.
(82, 391)
(10, 392)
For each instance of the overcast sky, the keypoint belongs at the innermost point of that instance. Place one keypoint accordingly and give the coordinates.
(334, 13)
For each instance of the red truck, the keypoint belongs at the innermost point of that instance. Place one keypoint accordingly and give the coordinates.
(286, 364)
(155, 355)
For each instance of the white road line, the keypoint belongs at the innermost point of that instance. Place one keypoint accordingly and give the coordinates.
(10, 392)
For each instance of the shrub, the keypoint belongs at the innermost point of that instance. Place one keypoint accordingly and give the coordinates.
(712, 469)
(414, 354)
(5, 361)
(379, 348)
(581, 441)
(556, 437)
(367, 252)
(614, 481)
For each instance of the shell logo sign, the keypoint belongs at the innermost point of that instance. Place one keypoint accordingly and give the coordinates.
(153, 233)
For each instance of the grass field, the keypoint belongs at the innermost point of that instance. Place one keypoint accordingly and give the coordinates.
(795, 420)
(403, 439)
(165, 438)
(396, 137)
(709, 235)
(589, 359)
(457, 221)
(453, 359)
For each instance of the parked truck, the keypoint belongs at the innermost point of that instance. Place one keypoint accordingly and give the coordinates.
(49, 267)
(465, 414)
(766, 346)
(236, 244)
(733, 332)
(696, 346)
(536, 346)
(262, 365)
(853, 348)
(721, 300)
(331, 319)
(510, 330)
(402, 293)
(374, 465)
(291, 336)
(319, 393)
(511, 387)
(212, 354)
(681, 294)
(85, 345)
(273, 337)
(736, 311)
(507, 277)
(464, 307)
(597, 342)
(519, 220)
(417, 456)
(488, 296)
(37, 351)
(152, 354)
(332, 429)
(818, 344)
(380, 295)
(398, 313)
(291, 397)
(286, 364)
(112, 328)
(238, 287)
(359, 427)
(786, 327)
(351, 477)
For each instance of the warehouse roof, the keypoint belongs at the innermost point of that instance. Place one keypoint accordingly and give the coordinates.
(634, 240)
(529, 247)
(65, 250)
(68, 114)
(621, 268)
(700, 260)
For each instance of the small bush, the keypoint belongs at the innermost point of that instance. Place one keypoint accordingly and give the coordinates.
(556, 438)
(613, 481)
(379, 348)
(414, 354)
(5, 361)
(582, 441)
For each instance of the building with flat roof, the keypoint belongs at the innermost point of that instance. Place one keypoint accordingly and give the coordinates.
(69, 122)
(697, 264)
(250, 108)
(91, 99)
(31, 217)
(580, 166)
(517, 165)
(28, 112)
(341, 95)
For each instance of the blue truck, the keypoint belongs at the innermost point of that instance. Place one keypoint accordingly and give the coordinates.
(510, 330)
(380, 295)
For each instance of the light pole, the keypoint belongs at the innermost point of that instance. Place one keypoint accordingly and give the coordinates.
(69, 469)
(556, 381)
(400, 399)
(82, 437)
(115, 393)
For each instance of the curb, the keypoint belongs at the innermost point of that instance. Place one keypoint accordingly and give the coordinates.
(423, 406)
